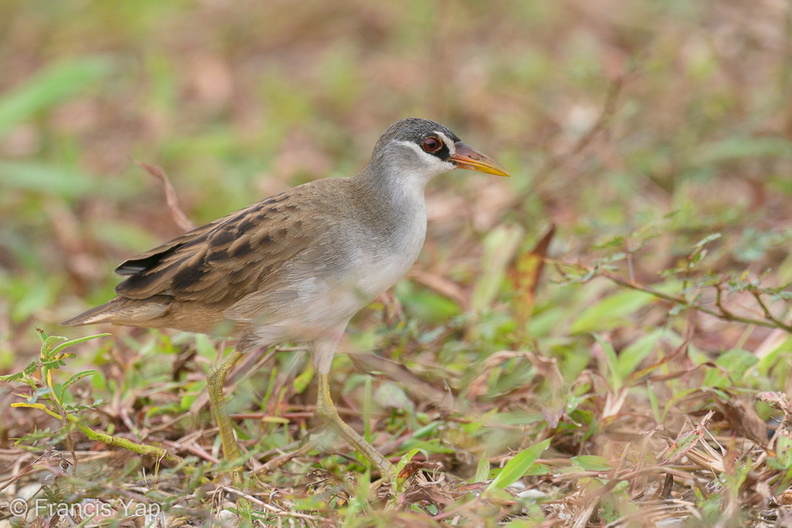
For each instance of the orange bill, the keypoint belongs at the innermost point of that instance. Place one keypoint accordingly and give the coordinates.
(466, 157)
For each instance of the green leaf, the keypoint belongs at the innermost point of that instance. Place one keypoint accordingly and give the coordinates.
(769, 360)
(610, 312)
(520, 523)
(616, 379)
(591, 463)
(742, 148)
(186, 401)
(500, 245)
(32, 367)
(38, 393)
(56, 83)
(482, 469)
(391, 396)
(205, 346)
(682, 446)
(74, 379)
(735, 362)
(55, 363)
(301, 382)
(76, 341)
(631, 356)
(427, 431)
(537, 470)
(46, 178)
(405, 459)
(50, 345)
(518, 466)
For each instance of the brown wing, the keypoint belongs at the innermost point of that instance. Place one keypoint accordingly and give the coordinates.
(221, 262)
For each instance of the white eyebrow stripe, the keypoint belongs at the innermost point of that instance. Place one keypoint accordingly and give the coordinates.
(450, 144)
(413, 146)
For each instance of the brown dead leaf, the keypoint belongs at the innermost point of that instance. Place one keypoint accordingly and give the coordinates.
(441, 285)
(785, 499)
(686, 440)
(777, 400)
(414, 466)
(418, 388)
(431, 493)
(742, 416)
(394, 519)
(525, 274)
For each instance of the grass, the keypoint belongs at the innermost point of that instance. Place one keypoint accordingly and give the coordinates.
(627, 368)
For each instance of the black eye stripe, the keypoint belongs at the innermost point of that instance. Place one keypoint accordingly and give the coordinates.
(443, 153)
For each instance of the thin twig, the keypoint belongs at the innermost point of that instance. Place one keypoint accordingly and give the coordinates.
(171, 199)
(721, 313)
(272, 509)
(600, 126)
(768, 314)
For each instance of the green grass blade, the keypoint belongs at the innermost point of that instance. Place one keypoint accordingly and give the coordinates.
(77, 342)
(518, 466)
(55, 84)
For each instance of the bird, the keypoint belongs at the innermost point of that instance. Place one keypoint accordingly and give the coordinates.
(296, 266)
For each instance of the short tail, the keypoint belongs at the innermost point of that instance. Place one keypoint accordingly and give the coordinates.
(121, 311)
(100, 314)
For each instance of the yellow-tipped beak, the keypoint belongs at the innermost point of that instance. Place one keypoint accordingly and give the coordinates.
(466, 157)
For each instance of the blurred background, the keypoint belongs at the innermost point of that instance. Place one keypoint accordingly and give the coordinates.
(609, 116)
(637, 126)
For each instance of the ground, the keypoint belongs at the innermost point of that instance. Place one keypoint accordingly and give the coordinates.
(601, 340)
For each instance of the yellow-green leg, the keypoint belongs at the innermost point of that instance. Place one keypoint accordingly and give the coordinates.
(328, 413)
(214, 382)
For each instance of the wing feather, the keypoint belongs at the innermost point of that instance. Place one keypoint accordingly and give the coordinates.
(224, 261)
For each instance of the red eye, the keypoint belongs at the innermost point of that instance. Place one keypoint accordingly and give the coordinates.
(432, 144)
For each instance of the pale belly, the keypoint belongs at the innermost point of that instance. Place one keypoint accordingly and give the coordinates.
(322, 304)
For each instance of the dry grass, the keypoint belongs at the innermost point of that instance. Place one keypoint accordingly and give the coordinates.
(651, 350)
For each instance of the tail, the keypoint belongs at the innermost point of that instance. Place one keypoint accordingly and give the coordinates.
(121, 311)
(100, 314)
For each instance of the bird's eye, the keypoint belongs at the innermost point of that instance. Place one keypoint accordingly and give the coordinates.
(432, 144)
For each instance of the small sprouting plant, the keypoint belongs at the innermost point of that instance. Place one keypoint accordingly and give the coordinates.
(47, 395)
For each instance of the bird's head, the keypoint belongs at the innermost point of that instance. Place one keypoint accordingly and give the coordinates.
(425, 149)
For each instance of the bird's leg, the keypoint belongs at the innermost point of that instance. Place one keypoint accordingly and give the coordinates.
(214, 382)
(328, 413)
